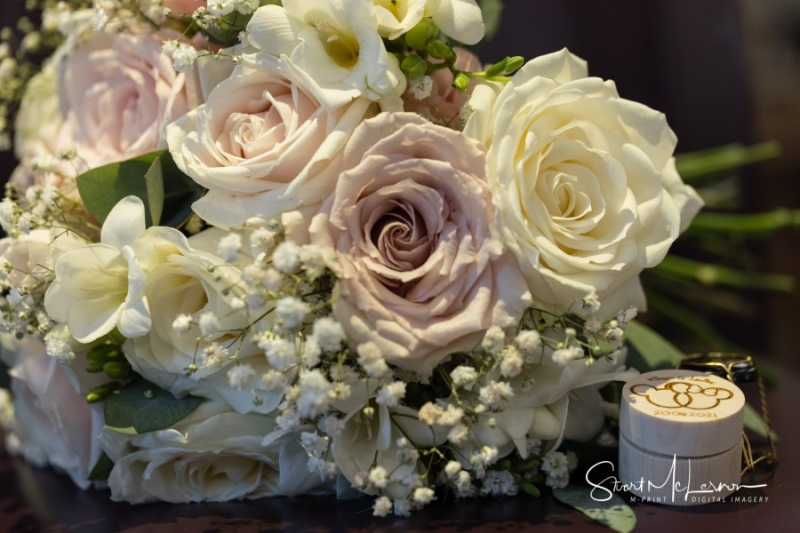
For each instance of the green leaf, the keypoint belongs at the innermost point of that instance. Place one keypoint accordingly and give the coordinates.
(655, 351)
(748, 225)
(167, 192)
(102, 187)
(154, 183)
(170, 192)
(715, 275)
(225, 30)
(102, 469)
(716, 160)
(141, 407)
(614, 513)
(689, 321)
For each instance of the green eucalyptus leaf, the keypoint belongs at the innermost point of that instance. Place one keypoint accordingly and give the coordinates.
(614, 513)
(167, 192)
(141, 407)
(154, 183)
(170, 192)
(102, 187)
(101, 469)
(655, 351)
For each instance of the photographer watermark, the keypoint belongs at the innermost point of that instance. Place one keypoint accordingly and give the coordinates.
(676, 488)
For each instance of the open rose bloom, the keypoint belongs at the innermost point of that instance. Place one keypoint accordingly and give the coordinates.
(311, 246)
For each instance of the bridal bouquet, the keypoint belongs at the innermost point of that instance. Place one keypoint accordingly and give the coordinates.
(260, 248)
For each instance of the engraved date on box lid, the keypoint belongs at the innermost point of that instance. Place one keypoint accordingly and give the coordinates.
(683, 412)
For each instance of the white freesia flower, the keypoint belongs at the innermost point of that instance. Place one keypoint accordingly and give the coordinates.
(460, 19)
(101, 286)
(396, 17)
(333, 46)
(584, 182)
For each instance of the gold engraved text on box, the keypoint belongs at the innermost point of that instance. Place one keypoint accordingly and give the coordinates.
(683, 394)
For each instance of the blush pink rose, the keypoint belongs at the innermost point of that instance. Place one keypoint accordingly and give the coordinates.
(260, 144)
(118, 93)
(420, 271)
(53, 424)
(444, 104)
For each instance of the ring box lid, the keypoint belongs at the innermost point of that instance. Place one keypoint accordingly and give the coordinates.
(682, 412)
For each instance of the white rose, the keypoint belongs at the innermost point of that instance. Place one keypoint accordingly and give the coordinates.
(333, 47)
(585, 186)
(260, 144)
(214, 454)
(53, 424)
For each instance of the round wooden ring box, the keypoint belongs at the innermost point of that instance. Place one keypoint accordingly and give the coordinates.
(680, 437)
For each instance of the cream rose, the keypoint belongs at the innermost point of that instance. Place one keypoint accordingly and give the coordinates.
(260, 144)
(118, 93)
(420, 272)
(214, 454)
(584, 182)
(198, 284)
(36, 132)
(52, 424)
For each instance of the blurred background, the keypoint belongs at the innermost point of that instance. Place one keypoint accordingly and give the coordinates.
(723, 71)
